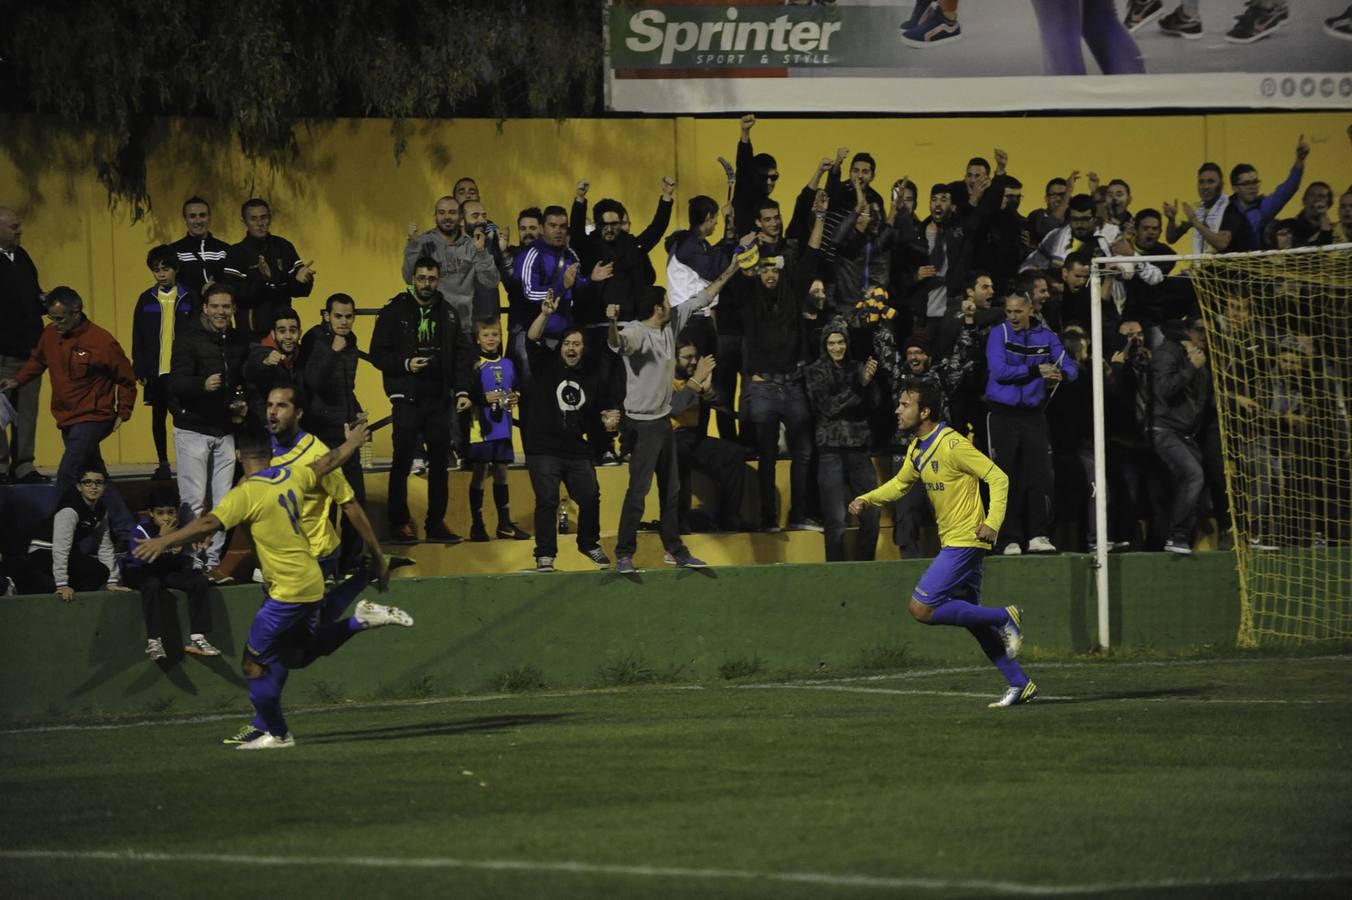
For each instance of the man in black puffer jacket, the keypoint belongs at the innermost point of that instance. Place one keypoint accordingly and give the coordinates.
(206, 389)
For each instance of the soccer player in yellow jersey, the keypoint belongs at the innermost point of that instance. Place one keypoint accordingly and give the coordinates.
(293, 446)
(949, 593)
(286, 632)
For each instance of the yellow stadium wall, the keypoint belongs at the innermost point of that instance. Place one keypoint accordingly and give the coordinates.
(346, 202)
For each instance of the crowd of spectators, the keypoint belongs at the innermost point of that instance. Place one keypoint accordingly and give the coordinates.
(794, 325)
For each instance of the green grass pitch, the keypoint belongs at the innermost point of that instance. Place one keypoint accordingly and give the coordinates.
(1216, 778)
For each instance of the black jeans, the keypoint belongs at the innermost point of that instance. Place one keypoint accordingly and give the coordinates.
(156, 599)
(731, 426)
(546, 472)
(843, 475)
(1183, 458)
(32, 574)
(767, 405)
(725, 464)
(82, 452)
(426, 420)
(1021, 445)
(654, 450)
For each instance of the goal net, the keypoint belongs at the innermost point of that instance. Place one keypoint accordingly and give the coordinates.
(1277, 334)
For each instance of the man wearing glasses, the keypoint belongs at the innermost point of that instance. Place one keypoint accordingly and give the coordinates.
(93, 393)
(1258, 208)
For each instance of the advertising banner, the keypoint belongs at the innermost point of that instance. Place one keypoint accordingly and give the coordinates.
(908, 56)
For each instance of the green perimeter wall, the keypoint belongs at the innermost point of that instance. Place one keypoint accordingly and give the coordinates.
(63, 662)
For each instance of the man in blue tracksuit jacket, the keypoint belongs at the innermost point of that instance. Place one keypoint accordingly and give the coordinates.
(1025, 362)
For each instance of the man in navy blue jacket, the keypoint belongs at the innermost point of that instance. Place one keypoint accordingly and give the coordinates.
(1026, 362)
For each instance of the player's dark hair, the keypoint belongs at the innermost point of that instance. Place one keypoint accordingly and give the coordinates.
(297, 395)
(980, 161)
(531, 212)
(553, 211)
(163, 495)
(941, 188)
(427, 262)
(161, 256)
(928, 396)
(970, 279)
(1025, 281)
(1210, 167)
(864, 158)
(1055, 182)
(764, 204)
(194, 199)
(254, 446)
(1011, 181)
(1080, 257)
(1125, 186)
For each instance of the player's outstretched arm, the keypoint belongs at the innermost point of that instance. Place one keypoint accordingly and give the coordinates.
(889, 491)
(199, 528)
(357, 516)
(356, 436)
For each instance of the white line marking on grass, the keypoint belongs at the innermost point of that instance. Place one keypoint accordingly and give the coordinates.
(582, 692)
(671, 872)
(848, 689)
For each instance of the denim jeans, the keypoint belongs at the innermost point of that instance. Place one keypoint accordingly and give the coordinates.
(843, 475)
(579, 475)
(768, 404)
(1183, 457)
(654, 448)
(82, 452)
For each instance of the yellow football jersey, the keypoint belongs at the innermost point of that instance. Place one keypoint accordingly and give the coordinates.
(950, 467)
(270, 501)
(315, 505)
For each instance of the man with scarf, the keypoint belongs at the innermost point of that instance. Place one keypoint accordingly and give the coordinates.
(1219, 226)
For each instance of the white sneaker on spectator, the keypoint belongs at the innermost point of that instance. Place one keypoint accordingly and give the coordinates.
(10, 589)
(257, 576)
(155, 649)
(198, 645)
(419, 466)
(1040, 544)
(1011, 549)
(1182, 548)
(1260, 544)
(544, 564)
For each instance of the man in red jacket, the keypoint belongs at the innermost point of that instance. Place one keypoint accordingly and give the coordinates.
(93, 393)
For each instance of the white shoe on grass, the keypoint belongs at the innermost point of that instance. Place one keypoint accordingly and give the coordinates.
(376, 615)
(1015, 696)
(264, 740)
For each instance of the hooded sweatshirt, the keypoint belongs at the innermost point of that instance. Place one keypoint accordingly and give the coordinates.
(838, 396)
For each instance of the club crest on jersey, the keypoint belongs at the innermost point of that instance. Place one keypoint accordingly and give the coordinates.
(934, 464)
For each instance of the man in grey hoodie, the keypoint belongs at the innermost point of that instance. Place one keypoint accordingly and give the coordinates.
(648, 348)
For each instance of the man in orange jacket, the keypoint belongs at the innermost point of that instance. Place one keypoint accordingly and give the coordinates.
(93, 393)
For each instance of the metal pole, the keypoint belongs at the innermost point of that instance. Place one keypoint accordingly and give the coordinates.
(1096, 347)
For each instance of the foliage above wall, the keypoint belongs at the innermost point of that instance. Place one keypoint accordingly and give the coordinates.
(261, 68)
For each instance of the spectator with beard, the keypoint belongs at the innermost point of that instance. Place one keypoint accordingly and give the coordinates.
(1004, 246)
(520, 312)
(1133, 471)
(840, 393)
(1179, 388)
(552, 267)
(863, 243)
(693, 396)
(567, 403)
(423, 353)
(460, 249)
(1149, 303)
(648, 346)
(1218, 226)
(273, 363)
(906, 256)
(773, 320)
(1117, 204)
